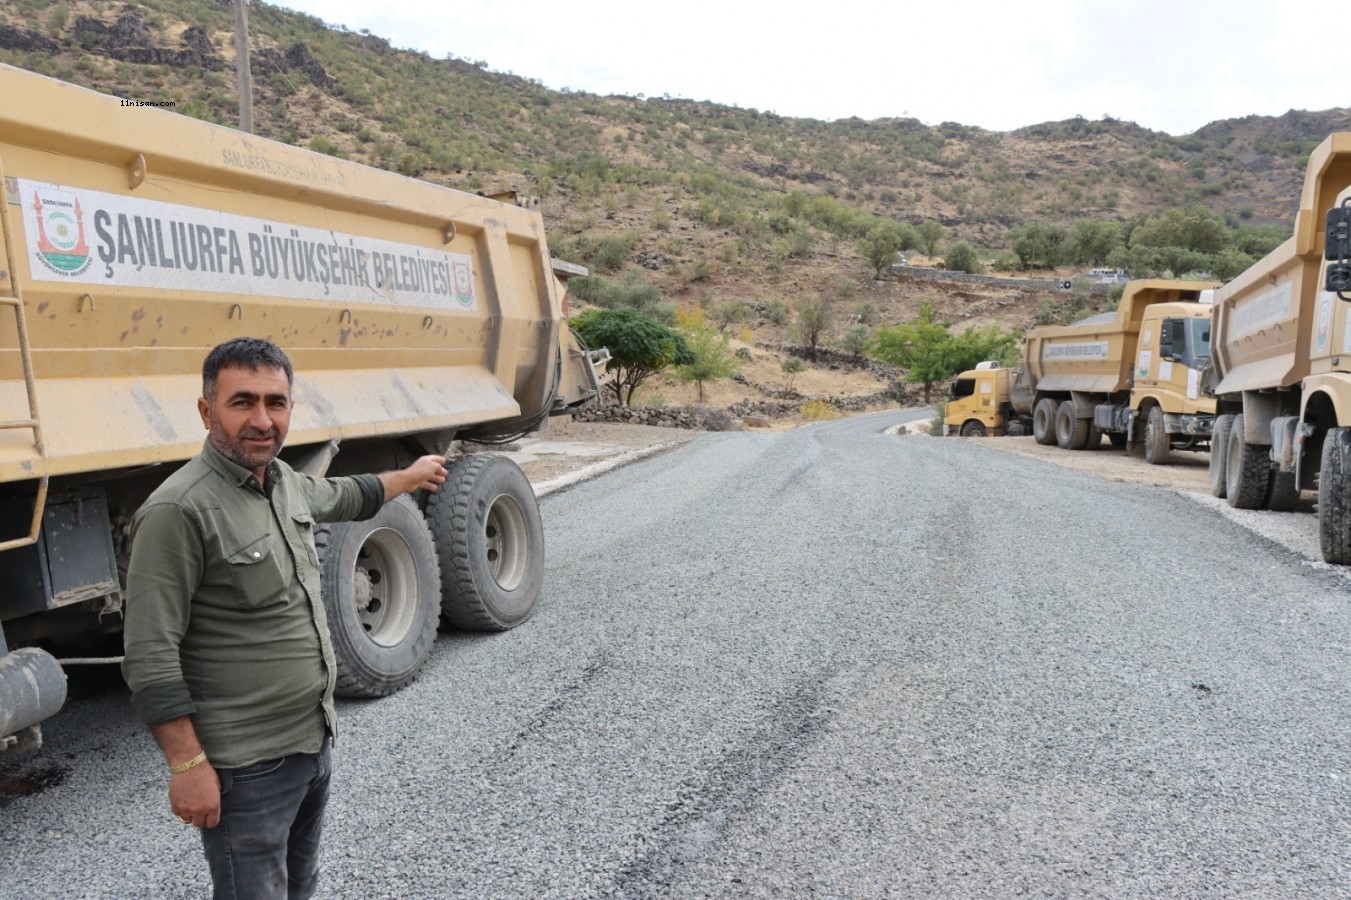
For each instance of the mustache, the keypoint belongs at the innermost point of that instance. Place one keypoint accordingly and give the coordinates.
(255, 434)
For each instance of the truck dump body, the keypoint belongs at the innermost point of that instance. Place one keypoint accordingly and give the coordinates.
(134, 240)
(1097, 355)
(1265, 316)
(137, 239)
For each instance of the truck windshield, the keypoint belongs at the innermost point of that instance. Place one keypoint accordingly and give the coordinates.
(962, 387)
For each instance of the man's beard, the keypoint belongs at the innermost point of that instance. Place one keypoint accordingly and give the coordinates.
(236, 452)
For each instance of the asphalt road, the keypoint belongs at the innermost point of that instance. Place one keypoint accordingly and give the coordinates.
(826, 663)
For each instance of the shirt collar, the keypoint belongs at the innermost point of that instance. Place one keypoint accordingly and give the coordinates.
(232, 471)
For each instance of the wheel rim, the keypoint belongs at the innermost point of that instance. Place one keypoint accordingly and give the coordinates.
(506, 543)
(384, 587)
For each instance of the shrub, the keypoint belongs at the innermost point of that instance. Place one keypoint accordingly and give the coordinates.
(818, 410)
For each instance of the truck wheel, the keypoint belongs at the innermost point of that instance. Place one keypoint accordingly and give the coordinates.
(1247, 470)
(1334, 503)
(973, 429)
(490, 542)
(1070, 433)
(1094, 440)
(1219, 452)
(380, 590)
(1043, 421)
(1157, 441)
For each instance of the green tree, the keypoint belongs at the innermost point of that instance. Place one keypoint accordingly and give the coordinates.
(814, 316)
(729, 312)
(639, 346)
(1038, 244)
(791, 367)
(712, 358)
(974, 346)
(919, 346)
(1091, 241)
(1196, 229)
(881, 244)
(855, 339)
(963, 257)
(930, 233)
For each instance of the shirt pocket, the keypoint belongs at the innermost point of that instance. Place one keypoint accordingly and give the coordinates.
(305, 528)
(255, 571)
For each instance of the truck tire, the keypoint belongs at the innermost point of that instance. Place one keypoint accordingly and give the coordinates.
(1094, 438)
(490, 542)
(1043, 421)
(973, 429)
(1070, 433)
(381, 592)
(1247, 470)
(1219, 453)
(1334, 503)
(1284, 496)
(1157, 441)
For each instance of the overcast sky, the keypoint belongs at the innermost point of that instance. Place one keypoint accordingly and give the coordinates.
(1169, 65)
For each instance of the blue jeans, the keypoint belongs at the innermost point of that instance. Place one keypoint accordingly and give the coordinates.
(271, 815)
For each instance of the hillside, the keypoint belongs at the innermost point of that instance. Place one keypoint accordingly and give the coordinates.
(700, 201)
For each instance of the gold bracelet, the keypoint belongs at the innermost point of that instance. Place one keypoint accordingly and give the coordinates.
(190, 764)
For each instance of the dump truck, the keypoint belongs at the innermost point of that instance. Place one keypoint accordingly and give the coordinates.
(417, 317)
(1282, 363)
(1132, 374)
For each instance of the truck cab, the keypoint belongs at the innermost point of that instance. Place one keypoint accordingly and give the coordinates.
(978, 402)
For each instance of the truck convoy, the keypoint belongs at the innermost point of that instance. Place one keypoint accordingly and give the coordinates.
(1132, 374)
(134, 240)
(1282, 363)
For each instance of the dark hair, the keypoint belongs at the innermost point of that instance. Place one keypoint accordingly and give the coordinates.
(244, 352)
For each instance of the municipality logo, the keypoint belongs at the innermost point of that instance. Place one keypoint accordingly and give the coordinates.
(61, 244)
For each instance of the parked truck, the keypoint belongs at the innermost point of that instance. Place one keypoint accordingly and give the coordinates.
(979, 403)
(1132, 374)
(417, 316)
(1282, 363)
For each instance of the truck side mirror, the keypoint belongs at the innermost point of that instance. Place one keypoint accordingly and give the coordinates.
(1337, 250)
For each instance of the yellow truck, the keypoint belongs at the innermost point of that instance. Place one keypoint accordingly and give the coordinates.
(1133, 375)
(979, 403)
(417, 316)
(1282, 363)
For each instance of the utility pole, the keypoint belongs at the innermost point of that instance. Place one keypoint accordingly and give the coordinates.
(242, 66)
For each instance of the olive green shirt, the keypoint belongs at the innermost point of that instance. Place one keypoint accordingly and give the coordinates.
(224, 620)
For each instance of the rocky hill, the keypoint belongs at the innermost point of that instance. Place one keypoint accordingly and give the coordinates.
(699, 201)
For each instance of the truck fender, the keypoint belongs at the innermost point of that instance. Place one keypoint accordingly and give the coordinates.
(1303, 434)
(1284, 442)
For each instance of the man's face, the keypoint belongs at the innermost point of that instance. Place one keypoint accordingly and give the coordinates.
(249, 416)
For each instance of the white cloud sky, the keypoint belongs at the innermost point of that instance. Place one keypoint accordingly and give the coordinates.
(1170, 65)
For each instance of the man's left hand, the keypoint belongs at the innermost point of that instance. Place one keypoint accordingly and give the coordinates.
(427, 472)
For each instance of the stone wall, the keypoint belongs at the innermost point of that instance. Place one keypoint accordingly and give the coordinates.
(920, 273)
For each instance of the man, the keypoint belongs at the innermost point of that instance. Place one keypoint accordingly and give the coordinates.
(227, 644)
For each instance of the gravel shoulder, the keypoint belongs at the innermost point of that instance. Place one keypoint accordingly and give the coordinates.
(1187, 475)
